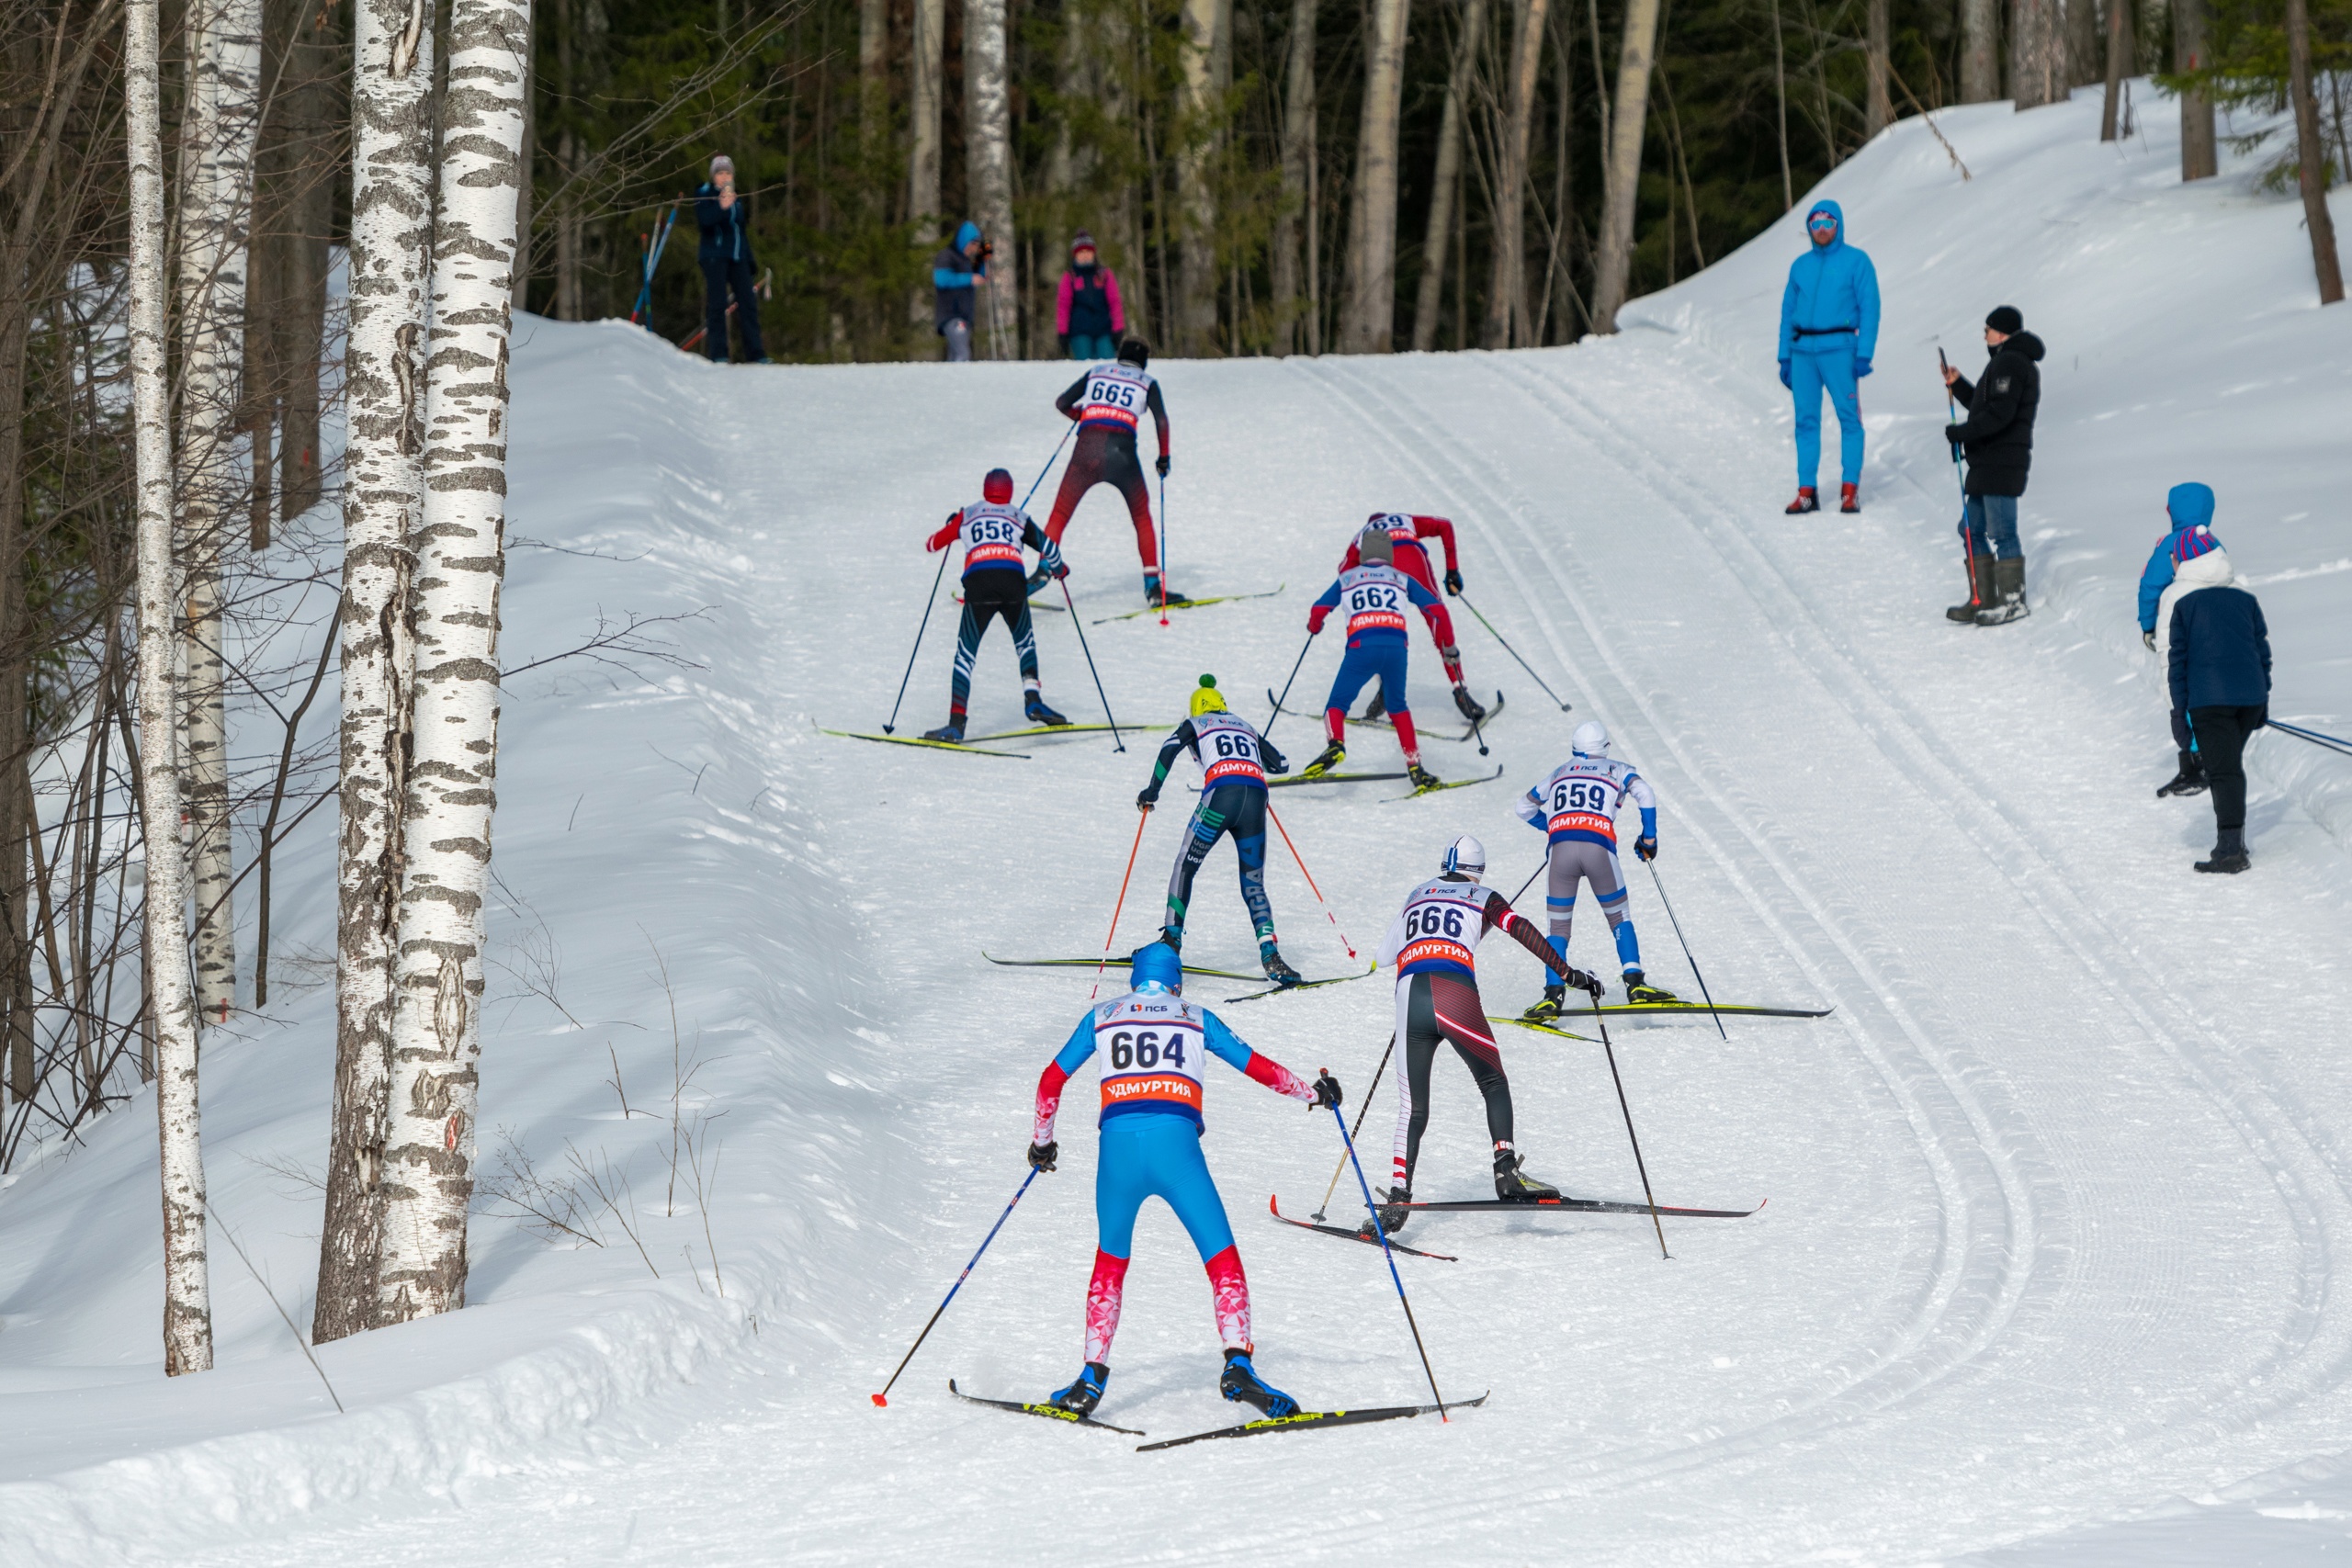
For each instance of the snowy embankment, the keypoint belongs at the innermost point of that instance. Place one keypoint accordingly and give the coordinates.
(2058, 1193)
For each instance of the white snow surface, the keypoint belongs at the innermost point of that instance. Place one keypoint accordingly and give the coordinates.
(2058, 1193)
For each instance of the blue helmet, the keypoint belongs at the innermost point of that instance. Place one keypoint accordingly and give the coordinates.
(1156, 964)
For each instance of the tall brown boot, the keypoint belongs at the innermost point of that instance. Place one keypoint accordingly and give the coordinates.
(1979, 589)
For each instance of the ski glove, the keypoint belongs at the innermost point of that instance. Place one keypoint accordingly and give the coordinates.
(1786, 379)
(1327, 1090)
(2150, 639)
(1450, 655)
(1589, 984)
(1861, 369)
(1645, 846)
(1453, 581)
(1146, 800)
(1161, 465)
(1042, 1156)
(1315, 620)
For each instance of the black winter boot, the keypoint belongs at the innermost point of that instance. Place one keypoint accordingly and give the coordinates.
(1980, 592)
(2008, 603)
(2191, 779)
(1545, 1011)
(2229, 855)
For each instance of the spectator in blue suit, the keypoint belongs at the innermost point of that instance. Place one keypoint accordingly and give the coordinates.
(1828, 331)
(956, 273)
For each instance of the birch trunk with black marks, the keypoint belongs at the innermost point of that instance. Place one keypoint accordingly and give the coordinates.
(987, 169)
(1507, 316)
(1980, 51)
(1428, 302)
(1298, 158)
(1877, 105)
(925, 66)
(170, 993)
(391, 211)
(1613, 264)
(1368, 316)
(1193, 323)
(461, 557)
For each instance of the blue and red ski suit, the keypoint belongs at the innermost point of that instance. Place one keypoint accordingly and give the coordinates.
(1376, 597)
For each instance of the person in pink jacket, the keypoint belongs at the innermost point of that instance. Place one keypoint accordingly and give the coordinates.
(1087, 314)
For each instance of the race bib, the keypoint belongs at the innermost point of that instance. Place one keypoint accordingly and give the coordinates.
(1583, 805)
(1151, 1050)
(1115, 399)
(1442, 924)
(1228, 748)
(991, 537)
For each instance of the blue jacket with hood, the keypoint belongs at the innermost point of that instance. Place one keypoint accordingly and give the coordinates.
(1832, 293)
(2190, 507)
(952, 275)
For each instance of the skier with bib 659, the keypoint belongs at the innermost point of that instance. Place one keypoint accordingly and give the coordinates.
(995, 583)
(1433, 946)
(1577, 806)
(1108, 403)
(1375, 595)
(1409, 555)
(1155, 1045)
(1828, 331)
(1233, 761)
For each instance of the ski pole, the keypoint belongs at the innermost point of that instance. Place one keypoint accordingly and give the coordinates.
(1647, 1196)
(1163, 550)
(1668, 903)
(1310, 880)
(1047, 468)
(936, 579)
(1531, 876)
(1116, 743)
(2324, 741)
(1112, 934)
(1393, 1275)
(1513, 651)
(1362, 1112)
(1286, 684)
(883, 1398)
(1967, 554)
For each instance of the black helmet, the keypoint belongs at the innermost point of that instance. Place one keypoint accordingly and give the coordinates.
(1136, 353)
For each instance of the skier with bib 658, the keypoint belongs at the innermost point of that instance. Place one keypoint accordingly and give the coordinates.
(995, 583)
(1375, 595)
(1828, 331)
(1155, 1045)
(1233, 761)
(1409, 555)
(1433, 946)
(1577, 806)
(1108, 403)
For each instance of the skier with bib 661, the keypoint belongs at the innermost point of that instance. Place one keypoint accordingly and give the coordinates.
(993, 532)
(1577, 807)
(1234, 760)
(1410, 553)
(1108, 403)
(1155, 1045)
(1375, 595)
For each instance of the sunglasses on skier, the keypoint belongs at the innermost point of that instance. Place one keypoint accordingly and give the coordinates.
(1822, 223)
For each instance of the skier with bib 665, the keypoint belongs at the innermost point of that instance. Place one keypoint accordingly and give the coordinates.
(1154, 1045)
(1577, 807)
(1233, 761)
(1375, 595)
(1410, 553)
(1433, 945)
(1108, 403)
(995, 583)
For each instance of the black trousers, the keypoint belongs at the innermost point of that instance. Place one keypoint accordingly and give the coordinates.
(2221, 735)
(719, 275)
(1434, 1011)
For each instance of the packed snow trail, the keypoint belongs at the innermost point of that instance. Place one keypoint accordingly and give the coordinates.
(2059, 1208)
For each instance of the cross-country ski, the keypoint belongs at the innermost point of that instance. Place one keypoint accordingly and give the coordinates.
(1050, 1412)
(1188, 605)
(1311, 1420)
(1347, 1234)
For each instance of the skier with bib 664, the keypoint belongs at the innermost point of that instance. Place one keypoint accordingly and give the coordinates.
(993, 532)
(1577, 806)
(1433, 945)
(1410, 555)
(1108, 405)
(1233, 761)
(1375, 595)
(1155, 1045)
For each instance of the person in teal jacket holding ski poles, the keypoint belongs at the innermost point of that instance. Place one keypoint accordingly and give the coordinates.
(1829, 333)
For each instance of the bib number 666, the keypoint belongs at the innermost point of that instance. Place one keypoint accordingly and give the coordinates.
(1144, 1048)
(1442, 919)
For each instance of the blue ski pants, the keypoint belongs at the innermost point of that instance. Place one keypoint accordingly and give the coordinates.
(1813, 371)
(1154, 1154)
(1368, 657)
(1991, 524)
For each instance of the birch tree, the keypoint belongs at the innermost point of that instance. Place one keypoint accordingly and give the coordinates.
(988, 167)
(1445, 182)
(1878, 106)
(1368, 316)
(171, 997)
(926, 55)
(391, 235)
(2200, 152)
(219, 134)
(2037, 54)
(1620, 170)
(461, 557)
(1299, 184)
(1195, 326)
(1980, 51)
(1507, 316)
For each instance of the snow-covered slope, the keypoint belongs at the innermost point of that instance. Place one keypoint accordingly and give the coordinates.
(2057, 1194)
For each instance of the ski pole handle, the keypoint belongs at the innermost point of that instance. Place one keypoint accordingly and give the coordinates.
(883, 1398)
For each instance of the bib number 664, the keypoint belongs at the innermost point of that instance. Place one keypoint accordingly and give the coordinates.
(1144, 1048)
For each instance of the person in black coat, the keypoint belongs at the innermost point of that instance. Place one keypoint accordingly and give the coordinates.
(1997, 437)
(725, 219)
(2220, 672)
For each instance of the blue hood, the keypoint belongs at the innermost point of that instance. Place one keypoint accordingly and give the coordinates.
(1832, 208)
(2190, 505)
(967, 234)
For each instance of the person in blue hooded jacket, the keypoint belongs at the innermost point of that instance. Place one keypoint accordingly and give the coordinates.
(724, 216)
(1829, 333)
(956, 273)
(2186, 559)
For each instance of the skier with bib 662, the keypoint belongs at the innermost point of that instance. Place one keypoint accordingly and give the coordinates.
(1577, 807)
(1155, 1045)
(1375, 595)
(1410, 555)
(1234, 760)
(993, 532)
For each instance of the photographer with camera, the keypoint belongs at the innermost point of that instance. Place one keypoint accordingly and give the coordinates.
(956, 273)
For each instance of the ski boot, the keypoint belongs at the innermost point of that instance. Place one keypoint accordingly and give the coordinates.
(1468, 705)
(1513, 1184)
(1083, 1394)
(1393, 1215)
(2191, 779)
(1980, 592)
(1849, 498)
(1638, 990)
(1375, 710)
(2228, 856)
(1033, 705)
(1330, 757)
(1554, 999)
(1807, 500)
(2008, 603)
(1240, 1382)
(1280, 973)
(1422, 778)
(1172, 935)
(1155, 593)
(952, 731)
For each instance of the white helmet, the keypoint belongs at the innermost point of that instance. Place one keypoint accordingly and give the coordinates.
(1465, 857)
(1592, 738)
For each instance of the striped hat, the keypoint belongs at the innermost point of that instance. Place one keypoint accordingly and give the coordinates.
(2189, 543)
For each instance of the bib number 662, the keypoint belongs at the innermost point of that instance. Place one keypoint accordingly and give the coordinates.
(1143, 1048)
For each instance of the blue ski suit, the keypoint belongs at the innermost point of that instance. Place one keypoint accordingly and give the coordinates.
(1829, 333)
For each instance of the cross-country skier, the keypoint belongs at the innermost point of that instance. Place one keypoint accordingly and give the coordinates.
(1433, 945)
(1109, 402)
(995, 583)
(1234, 760)
(1155, 1045)
(1377, 595)
(1411, 556)
(1577, 806)
(1828, 331)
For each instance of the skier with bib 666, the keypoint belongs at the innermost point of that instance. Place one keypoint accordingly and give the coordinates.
(1233, 761)
(1108, 403)
(1154, 1045)
(1433, 945)
(1410, 555)
(995, 583)
(1577, 806)
(1375, 595)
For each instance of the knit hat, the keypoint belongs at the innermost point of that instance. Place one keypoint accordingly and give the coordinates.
(997, 487)
(721, 162)
(2006, 319)
(1082, 240)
